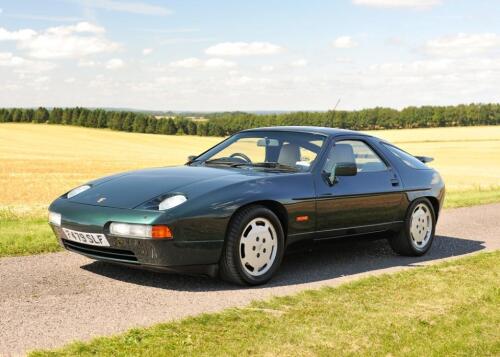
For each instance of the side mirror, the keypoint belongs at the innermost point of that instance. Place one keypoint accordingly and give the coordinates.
(341, 169)
(346, 169)
(191, 158)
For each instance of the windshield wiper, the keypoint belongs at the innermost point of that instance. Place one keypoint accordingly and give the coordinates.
(221, 161)
(267, 165)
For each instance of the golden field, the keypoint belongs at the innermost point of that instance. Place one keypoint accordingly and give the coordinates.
(468, 158)
(39, 162)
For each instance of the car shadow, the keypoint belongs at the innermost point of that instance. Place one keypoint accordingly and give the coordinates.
(323, 261)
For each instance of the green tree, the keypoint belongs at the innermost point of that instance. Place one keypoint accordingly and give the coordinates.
(41, 115)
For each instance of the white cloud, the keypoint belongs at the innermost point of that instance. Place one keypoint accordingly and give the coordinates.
(343, 60)
(344, 42)
(191, 62)
(267, 68)
(81, 27)
(19, 35)
(147, 51)
(239, 81)
(131, 7)
(9, 60)
(463, 44)
(218, 63)
(73, 41)
(68, 42)
(70, 80)
(194, 62)
(299, 63)
(41, 80)
(412, 4)
(422, 68)
(424, 82)
(86, 63)
(115, 63)
(22, 65)
(243, 49)
(87, 27)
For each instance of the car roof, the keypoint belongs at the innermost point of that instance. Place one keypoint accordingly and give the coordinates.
(309, 129)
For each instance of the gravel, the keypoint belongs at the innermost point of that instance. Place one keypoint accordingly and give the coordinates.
(49, 300)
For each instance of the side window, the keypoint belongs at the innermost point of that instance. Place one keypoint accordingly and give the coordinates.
(408, 159)
(354, 150)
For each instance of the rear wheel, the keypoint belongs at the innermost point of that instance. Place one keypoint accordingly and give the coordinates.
(254, 247)
(416, 237)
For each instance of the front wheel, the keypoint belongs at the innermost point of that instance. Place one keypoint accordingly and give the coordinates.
(416, 237)
(254, 247)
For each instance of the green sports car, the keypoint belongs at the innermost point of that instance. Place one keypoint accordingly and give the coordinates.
(233, 210)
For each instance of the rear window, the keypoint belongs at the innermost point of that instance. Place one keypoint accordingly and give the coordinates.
(407, 159)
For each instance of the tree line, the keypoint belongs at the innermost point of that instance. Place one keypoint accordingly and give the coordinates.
(227, 123)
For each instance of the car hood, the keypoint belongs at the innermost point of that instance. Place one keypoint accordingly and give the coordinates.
(131, 189)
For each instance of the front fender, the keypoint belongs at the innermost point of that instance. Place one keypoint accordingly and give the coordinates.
(206, 216)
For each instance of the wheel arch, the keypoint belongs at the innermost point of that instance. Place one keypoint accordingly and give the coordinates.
(276, 207)
(435, 204)
(435, 201)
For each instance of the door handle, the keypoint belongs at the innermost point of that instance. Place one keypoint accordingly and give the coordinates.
(395, 182)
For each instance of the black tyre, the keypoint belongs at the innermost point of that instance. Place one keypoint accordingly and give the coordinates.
(254, 247)
(416, 237)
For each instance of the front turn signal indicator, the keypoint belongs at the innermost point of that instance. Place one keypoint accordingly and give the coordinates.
(161, 232)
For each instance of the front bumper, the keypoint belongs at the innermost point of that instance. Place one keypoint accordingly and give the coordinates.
(168, 255)
(184, 251)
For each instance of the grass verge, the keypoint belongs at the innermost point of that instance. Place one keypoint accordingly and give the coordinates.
(26, 236)
(479, 196)
(447, 309)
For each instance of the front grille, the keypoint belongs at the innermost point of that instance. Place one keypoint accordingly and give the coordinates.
(101, 252)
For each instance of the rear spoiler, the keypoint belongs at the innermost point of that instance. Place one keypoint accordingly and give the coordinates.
(425, 159)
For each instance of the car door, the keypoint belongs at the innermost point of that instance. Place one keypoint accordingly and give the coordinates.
(367, 202)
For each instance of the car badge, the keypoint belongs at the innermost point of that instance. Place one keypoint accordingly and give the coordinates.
(102, 199)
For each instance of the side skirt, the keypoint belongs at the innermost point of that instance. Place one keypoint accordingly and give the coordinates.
(345, 232)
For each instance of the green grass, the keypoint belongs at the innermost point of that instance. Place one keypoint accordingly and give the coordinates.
(449, 309)
(479, 196)
(26, 236)
(25, 232)
(29, 233)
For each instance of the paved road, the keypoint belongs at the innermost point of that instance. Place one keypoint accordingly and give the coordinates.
(49, 300)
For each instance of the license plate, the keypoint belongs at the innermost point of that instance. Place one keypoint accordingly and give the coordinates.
(86, 238)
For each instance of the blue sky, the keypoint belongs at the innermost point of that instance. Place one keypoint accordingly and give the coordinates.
(248, 55)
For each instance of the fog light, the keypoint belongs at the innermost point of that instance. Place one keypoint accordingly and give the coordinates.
(55, 218)
(144, 231)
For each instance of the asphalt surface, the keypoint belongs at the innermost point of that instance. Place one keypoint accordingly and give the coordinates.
(49, 300)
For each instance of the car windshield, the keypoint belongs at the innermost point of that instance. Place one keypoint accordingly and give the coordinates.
(266, 150)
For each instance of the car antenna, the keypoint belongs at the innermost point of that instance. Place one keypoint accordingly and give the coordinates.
(336, 105)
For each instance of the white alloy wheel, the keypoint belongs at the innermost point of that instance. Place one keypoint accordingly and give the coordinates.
(421, 226)
(258, 246)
